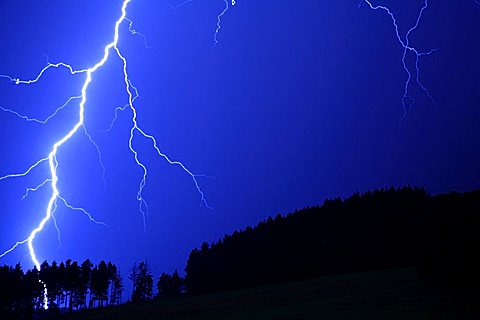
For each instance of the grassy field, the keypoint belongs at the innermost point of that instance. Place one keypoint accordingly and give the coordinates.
(390, 294)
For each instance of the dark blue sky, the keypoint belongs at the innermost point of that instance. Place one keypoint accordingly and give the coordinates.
(300, 101)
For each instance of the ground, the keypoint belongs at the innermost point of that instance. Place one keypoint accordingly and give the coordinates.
(388, 294)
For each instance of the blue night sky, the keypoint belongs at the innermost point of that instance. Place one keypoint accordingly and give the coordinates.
(299, 101)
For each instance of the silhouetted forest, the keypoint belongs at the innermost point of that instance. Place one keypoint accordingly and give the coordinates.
(376, 230)
(71, 286)
(394, 228)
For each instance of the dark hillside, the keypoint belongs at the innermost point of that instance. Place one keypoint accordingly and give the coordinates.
(376, 230)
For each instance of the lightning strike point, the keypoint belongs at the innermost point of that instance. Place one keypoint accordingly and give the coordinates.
(132, 92)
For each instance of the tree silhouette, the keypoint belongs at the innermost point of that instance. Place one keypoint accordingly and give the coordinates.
(116, 287)
(141, 276)
(169, 285)
(376, 230)
(99, 284)
(83, 284)
(21, 294)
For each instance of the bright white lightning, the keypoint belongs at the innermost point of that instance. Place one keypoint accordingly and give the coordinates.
(28, 190)
(52, 156)
(48, 66)
(51, 116)
(26, 172)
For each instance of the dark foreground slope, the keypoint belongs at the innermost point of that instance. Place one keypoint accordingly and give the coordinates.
(391, 294)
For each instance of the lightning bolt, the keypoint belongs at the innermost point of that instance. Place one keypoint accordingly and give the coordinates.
(181, 4)
(40, 121)
(219, 22)
(51, 159)
(28, 190)
(54, 219)
(219, 17)
(136, 33)
(407, 99)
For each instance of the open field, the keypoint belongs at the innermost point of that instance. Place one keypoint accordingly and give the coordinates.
(390, 294)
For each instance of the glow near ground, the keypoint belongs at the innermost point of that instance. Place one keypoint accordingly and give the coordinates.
(407, 101)
(51, 158)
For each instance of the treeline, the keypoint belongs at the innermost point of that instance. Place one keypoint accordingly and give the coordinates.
(382, 229)
(71, 286)
(168, 285)
(376, 230)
